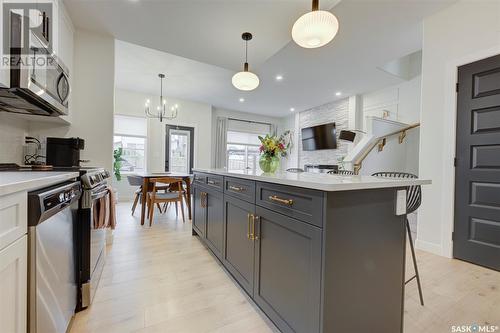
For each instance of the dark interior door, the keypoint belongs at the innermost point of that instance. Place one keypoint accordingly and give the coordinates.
(179, 148)
(477, 176)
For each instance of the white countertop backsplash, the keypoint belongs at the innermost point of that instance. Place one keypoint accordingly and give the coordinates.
(319, 181)
(15, 181)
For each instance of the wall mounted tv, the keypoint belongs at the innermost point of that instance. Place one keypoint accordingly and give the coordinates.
(319, 137)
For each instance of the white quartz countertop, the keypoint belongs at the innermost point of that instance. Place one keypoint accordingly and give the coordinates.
(15, 181)
(319, 181)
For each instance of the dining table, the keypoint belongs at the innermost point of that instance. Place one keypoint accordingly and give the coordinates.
(147, 185)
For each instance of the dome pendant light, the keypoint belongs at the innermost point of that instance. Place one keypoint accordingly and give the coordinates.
(245, 80)
(316, 28)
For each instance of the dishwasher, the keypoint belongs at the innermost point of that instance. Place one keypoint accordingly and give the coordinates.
(52, 282)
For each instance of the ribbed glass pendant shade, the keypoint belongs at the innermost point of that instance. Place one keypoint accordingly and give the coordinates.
(245, 81)
(315, 29)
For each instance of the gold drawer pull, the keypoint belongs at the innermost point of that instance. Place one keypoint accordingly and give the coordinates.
(211, 182)
(236, 188)
(275, 198)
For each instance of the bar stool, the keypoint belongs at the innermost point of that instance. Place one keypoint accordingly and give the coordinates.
(341, 172)
(413, 201)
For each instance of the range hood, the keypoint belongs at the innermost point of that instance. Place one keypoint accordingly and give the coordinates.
(23, 101)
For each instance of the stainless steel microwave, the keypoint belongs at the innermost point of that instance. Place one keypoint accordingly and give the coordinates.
(39, 82)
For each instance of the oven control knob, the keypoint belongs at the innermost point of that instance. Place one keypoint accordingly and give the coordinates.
(61, 197)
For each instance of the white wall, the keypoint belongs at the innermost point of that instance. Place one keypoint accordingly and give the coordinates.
(12, 133)
(462, 33)
(402, 101)
(92, 100)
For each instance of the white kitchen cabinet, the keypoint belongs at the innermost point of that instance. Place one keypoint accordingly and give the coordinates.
(4, 70)
(13, 286)
(13, 217)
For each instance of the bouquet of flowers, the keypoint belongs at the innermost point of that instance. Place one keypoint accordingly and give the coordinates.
(271, 149)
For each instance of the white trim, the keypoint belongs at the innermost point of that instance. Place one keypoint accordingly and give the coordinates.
(450, 115)
(428, 247)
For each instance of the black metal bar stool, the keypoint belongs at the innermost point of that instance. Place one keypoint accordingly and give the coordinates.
(413, 201)
(341, 172)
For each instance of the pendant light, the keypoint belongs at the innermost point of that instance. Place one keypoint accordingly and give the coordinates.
(245, 80)
(161, 109)
(316, 28)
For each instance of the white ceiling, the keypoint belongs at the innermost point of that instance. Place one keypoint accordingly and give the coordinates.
(203, 41)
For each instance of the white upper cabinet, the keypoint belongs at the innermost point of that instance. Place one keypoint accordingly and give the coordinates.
(4, 71)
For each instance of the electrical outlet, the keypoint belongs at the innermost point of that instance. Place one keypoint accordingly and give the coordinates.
(401, 202)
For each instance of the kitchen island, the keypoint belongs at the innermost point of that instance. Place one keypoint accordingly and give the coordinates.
(316, 252)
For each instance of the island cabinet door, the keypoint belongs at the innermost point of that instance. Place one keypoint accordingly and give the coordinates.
(215, 222)
(199, 211)
(239, 251)
(288, 271)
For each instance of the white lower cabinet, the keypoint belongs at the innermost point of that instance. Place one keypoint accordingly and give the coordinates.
(13, 286)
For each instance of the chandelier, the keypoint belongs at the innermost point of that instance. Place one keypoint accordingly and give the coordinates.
(161, 110)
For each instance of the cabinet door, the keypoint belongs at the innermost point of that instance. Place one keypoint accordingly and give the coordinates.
(13, 286)
(215, 222)
(199, 211)
(288, 271)
(239, 251)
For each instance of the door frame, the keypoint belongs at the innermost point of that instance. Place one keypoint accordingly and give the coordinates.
(449, 142)
(191, 129)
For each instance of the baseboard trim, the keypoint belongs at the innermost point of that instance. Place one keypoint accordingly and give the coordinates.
(429, 247)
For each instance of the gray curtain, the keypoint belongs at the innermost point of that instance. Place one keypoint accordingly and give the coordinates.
(274, 129)
(221, 143)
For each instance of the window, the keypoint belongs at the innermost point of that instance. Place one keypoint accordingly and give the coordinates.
(130, 135)
(243, 144)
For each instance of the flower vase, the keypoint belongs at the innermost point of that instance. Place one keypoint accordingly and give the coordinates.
(269, 164)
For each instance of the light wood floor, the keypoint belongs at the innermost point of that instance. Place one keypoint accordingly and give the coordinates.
(161, 279)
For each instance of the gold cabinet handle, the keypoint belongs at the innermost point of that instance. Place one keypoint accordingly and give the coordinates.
(255, 236)
(249, 232)
(275, 198)
(236, 188)
(211, 182)
(203, 199)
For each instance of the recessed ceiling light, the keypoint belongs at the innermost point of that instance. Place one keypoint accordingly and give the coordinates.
(338, 93)
(292, 109)
(242, 100)
(279, 77)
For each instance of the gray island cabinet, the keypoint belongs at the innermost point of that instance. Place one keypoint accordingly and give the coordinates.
(316, 253)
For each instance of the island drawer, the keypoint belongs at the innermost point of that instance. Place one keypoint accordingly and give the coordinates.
(240, 188)
(215, 181)
(200, 178)
(300, 203)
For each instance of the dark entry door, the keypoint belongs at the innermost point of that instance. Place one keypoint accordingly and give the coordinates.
(477, 176)
(179, 148)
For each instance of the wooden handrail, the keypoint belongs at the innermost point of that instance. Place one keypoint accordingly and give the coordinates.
(381, 142)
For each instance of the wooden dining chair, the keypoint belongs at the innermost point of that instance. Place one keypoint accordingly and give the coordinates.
(155, 197)
(175, 187)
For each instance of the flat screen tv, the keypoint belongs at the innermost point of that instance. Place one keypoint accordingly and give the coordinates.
(319, 137)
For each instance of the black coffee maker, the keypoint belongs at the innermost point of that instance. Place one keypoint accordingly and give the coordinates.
(64, 152)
